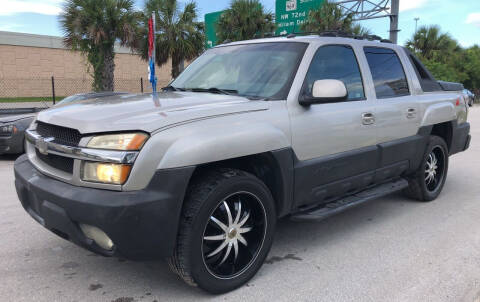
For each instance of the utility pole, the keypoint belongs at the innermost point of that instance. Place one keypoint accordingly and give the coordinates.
(416, 21)
(394, 21)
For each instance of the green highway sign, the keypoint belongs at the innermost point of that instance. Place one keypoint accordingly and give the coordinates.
(291, 14)
(210, 28)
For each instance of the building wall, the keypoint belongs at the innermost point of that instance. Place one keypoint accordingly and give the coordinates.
(26, 68)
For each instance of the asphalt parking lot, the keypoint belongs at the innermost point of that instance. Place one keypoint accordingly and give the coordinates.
(391, 249)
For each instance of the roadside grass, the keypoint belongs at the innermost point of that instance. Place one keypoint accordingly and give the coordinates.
(30, 99)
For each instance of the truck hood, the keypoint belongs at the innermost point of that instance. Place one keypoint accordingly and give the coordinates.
(145, 112)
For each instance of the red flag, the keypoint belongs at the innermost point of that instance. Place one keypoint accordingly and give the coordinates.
(150, 37)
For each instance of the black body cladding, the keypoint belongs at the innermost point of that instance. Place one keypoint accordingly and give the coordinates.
(142, 224)
(323, 180)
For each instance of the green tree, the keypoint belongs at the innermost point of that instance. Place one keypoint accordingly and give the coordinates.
(179, 36)
(445, 58)
(331, 17)
(93, 27)
(430, 43)
(445, 72)
(471, 66)
(359, 30)
(244, 20)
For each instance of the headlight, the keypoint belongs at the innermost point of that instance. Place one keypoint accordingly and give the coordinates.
(125, 141)
(8, 130)
(116, 174)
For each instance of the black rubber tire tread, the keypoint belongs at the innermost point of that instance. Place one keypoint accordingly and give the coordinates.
(416, 183)
(196, 194)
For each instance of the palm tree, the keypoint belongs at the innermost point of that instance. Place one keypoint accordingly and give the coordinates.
(93, 27)
(329, 17)
(429, 42)
(359, 30)
(244, 20)
(179, 36)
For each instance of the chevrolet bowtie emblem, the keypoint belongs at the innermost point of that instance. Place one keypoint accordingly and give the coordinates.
(42, 144)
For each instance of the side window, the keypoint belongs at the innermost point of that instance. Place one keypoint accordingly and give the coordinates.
(425, 78)
(387, 72)
(336, 62)
(419, 68)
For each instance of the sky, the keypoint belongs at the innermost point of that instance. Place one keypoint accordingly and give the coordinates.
(460, 18)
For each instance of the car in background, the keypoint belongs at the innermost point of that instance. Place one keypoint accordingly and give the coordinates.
(469, 97)
(14, 122)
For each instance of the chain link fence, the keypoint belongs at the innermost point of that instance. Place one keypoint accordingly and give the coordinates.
(44, 92)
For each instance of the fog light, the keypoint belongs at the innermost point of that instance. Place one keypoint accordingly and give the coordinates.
(97, 235)
(105, 172)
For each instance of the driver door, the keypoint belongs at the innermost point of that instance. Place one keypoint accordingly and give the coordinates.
(334, 142)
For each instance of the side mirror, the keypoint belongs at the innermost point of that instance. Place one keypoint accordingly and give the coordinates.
(325, 91)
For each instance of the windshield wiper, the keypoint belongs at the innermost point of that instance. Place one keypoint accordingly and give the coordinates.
(171, 88)
(226, 92)
(215, 90)
(257, 98)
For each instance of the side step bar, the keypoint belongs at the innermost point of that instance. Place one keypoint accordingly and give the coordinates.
(343, 204)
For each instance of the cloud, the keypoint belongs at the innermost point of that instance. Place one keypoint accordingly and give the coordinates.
(11, 27)
(411, 4)
(45, 7)
(473, 18)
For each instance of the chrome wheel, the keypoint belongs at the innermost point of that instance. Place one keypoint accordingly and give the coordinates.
(434, 168)
(233, 235)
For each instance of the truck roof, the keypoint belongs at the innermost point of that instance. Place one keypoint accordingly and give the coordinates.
(368, 40)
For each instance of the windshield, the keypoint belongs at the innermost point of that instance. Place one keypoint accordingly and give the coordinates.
(264, 70)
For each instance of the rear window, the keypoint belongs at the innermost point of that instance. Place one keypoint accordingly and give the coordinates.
(387, 72)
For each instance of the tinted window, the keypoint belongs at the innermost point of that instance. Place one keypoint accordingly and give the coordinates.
(336, 62)
(387, 72)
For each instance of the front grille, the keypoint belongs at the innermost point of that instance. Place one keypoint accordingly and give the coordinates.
(61, 135)
(64, 164)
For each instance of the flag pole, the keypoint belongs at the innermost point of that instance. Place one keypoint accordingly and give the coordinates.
(154, 82)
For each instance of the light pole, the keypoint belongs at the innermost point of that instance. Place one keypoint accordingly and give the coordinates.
(416, 21)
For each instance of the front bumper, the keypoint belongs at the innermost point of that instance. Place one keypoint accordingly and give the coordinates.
(142, 224)
(12, 144)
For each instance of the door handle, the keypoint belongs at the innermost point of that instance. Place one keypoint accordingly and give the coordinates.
(411, 113)
(368, 118)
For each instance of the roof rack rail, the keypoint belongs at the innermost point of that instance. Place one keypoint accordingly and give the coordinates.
(327, 33)
(337, 33)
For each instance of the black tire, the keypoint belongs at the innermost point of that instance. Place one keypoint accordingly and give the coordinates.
(213, 194)
(421, 186)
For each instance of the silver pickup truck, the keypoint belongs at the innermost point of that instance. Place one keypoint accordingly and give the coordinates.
(300, 126)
